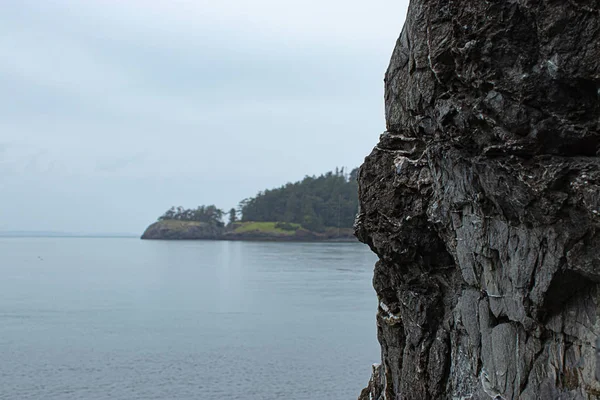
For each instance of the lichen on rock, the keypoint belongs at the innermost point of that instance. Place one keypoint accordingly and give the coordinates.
(482, 201)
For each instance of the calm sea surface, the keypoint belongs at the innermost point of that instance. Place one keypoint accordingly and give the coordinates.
(132, 319)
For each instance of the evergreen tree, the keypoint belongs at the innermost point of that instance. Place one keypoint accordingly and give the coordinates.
(329, 200)
(315, 202)
(232, 216)
(208, 214)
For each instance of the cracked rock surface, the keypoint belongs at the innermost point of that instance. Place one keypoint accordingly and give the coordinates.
(482, 201)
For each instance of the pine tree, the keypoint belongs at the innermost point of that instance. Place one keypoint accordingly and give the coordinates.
(232, 216)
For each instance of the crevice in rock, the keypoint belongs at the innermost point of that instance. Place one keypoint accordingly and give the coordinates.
(564, 286)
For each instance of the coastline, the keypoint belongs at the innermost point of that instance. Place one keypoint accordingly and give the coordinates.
(245, 231)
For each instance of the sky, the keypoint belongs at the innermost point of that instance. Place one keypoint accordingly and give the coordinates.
(111, 111)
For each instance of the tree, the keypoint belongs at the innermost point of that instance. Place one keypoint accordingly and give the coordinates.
(207, 214)
(316, 202)
(232, 216)
(353, 175)
(329, 200)
(169, 214)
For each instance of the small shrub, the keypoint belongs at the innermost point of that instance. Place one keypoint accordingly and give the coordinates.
(286, 226)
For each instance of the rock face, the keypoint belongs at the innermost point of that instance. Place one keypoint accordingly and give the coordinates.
(182, 230)
(482, 201)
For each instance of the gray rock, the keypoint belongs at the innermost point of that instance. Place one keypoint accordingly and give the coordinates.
(183, 230)
(482, 201)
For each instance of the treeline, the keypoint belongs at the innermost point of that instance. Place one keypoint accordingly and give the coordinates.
(329, 200)
(316, 203)
(209, 214)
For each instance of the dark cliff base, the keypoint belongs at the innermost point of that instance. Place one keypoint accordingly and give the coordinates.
(482, 201)
(251, 231)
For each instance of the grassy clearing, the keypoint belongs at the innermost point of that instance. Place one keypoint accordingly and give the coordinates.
(263, 227)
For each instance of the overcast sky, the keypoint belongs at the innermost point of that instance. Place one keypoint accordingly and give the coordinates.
(111, 111)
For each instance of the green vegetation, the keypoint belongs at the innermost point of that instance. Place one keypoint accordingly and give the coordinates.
(232, 216)
(329, 200)
(286, 226)
(265, 227)
(207, 214)
(324, 204)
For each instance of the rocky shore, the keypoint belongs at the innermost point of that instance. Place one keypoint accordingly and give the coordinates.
(191, 230)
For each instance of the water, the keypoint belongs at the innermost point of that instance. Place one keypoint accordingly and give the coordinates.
(130, 319)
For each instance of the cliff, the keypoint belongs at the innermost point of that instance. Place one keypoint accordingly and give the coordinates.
(482, 201)
(182, 230)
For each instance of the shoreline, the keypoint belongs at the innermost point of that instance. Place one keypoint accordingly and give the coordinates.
(259, 239)
(261, 232)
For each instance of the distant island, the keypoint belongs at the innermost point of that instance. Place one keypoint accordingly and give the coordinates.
(317, 208)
